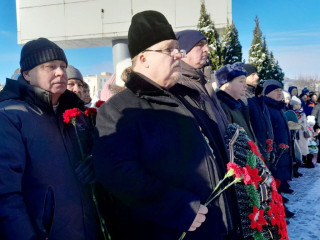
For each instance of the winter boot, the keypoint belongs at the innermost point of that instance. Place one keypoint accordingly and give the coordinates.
(309, 163)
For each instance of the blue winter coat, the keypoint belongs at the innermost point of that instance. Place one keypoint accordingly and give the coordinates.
(40, 196)
(261, 125)
(283, 158)
(152, 158)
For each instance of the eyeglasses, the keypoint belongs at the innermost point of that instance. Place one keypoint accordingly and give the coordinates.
(173, 52)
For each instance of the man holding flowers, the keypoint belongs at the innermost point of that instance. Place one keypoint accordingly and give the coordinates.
(44, 191)
(150, 155)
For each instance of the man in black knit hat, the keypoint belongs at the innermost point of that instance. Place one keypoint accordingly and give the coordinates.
(155, 164)
(252, 81)
(43, 179)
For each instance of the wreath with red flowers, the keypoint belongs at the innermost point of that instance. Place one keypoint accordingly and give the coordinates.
(260, 205)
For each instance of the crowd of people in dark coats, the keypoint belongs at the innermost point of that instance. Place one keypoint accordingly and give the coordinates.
(146, 164)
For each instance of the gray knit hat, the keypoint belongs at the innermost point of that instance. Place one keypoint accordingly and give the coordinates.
(74, 73)
(270, 85)
(40, 51)
(295, 100)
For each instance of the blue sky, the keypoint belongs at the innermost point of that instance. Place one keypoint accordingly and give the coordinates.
(291, 28)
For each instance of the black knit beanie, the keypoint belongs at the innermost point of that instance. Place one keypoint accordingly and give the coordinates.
(250, 69)
(270, 85)
(40, 51)
(148, 28)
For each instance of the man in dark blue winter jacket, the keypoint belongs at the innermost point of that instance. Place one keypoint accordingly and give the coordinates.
(43, 180)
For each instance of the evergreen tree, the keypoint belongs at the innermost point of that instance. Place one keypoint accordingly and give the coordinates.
(207, 28)
(266, 69)
(231, 49)
(276, 71)
(260, 57)
(256, 54)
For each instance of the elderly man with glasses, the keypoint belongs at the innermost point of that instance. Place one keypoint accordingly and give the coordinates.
(154, 163)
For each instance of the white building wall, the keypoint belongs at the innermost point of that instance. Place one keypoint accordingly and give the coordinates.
(86, 23)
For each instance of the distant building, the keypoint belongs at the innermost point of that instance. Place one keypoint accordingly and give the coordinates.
(96, 82)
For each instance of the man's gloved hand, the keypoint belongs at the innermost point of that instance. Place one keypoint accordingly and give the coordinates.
(85, 172)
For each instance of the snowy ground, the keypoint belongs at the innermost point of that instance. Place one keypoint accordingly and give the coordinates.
(305, 203)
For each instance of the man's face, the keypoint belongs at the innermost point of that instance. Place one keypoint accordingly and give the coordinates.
(50, 76)
(253, 79)
(276, 94)
(76, 86)
(314, 98)
(197, 56)
(237, 87)
(163, 67)
(86, 95)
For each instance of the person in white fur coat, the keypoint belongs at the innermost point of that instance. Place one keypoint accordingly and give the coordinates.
(302, 137)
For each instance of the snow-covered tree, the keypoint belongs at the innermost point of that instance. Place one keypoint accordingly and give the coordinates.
(266, 68)
(276, 71)
(256, 54)
(207, 28)
(231, 49)
(262, 59)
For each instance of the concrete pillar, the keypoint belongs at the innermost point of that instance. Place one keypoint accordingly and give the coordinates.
(119, 51)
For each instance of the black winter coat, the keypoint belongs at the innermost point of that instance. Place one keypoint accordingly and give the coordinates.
(40, 195)
(155, 163)
(283, 158)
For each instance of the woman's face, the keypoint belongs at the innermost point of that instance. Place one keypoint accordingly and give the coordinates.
(294, 92)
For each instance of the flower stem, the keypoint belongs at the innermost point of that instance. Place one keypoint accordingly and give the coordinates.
(104, 230)
(221, 191)
(79, 143)
(217, 186)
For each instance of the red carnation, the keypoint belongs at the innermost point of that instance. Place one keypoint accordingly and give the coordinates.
(70, 115)
(99, 103)
(257, 219)
(237, 170)
(90, 112)
(269, 148)
(251, 176)
(282, 145)
(254, 148)
(274, 186)
(269, 141)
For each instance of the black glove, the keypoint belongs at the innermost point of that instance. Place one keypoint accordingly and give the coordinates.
(85, 172)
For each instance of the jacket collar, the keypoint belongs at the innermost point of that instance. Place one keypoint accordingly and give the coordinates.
(192, 73)
(230, 101)
(21, 89)
(251, 89)
(274, 104)
(145, 88)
